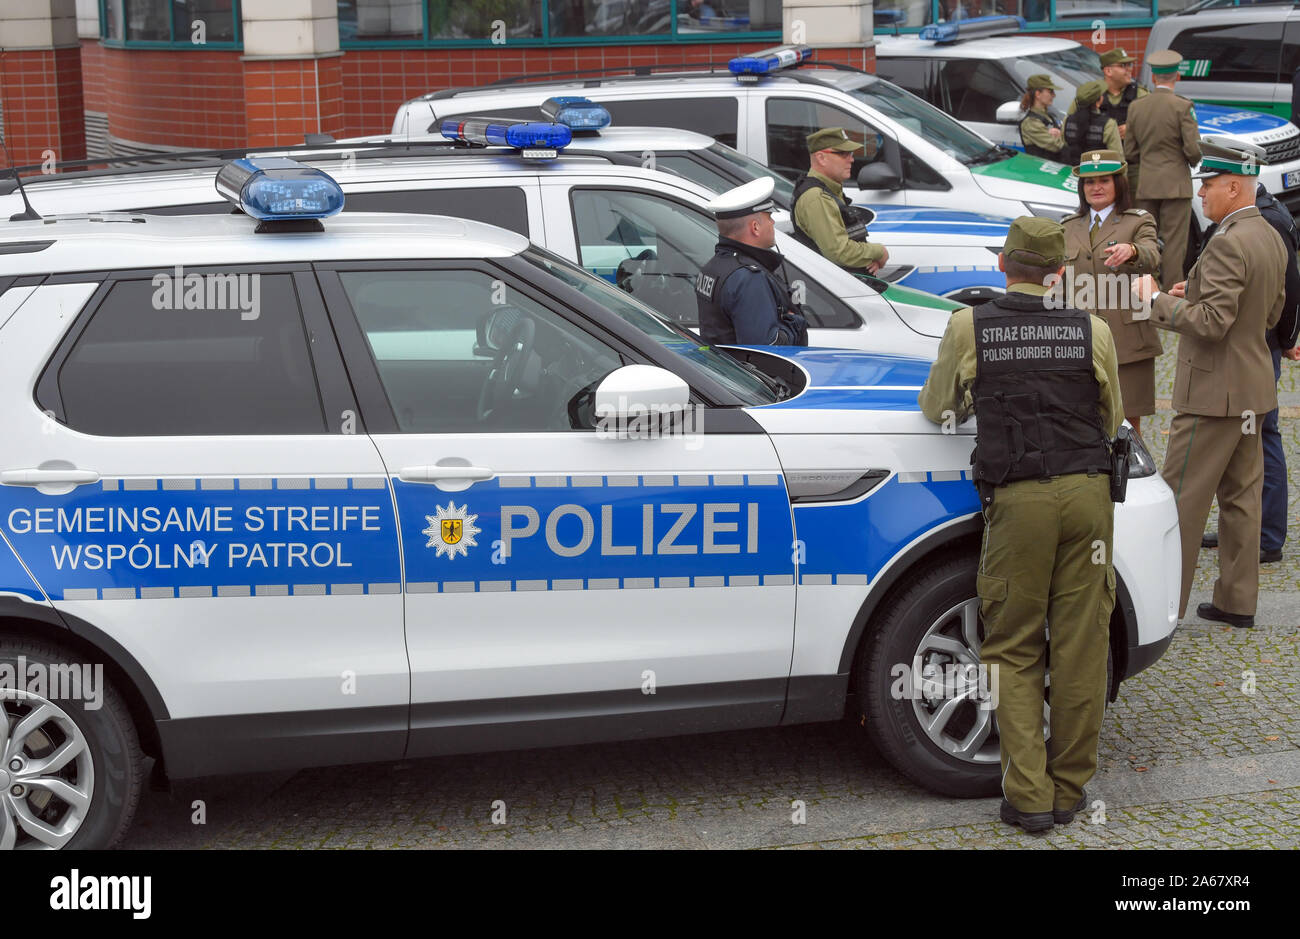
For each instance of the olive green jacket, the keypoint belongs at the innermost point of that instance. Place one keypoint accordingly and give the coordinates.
(1039, 134)
(818, 215)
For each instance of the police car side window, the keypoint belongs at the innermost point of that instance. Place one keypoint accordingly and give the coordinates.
(224, 354)
(974, 89)
(791, 120)
(1238, 52)
(713, 117)
(505, 206)
(823, 309)
(444, 342)
(649, 246)
(915, 75)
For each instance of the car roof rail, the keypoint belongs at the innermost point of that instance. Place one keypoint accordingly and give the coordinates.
(171, 160)
(623, 73)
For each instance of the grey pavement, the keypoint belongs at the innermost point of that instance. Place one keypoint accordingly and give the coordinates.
(1202, 750)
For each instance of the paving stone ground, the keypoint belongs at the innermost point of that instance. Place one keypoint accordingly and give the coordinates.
(1201, 750)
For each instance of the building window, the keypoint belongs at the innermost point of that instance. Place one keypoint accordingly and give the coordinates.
(196, 24)
(380, 23)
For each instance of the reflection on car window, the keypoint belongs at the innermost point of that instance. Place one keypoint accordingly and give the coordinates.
(459, 352)
(921, 118)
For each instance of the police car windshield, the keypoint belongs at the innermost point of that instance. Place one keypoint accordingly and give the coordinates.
(922, 119)
(745, 383)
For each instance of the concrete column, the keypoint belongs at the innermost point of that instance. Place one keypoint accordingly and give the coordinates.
(293, 81)
(832, 24)
(40, 81)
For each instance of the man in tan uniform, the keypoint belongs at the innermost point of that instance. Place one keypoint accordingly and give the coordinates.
(1163, 140)
(1224, 384)
(823, 218)
(1043, 382)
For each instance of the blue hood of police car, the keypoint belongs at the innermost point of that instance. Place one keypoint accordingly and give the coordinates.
(1240, 122)
(843, 379)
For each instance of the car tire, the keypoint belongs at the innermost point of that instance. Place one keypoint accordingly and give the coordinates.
(925, 608)
(941, 602)
(86, 797)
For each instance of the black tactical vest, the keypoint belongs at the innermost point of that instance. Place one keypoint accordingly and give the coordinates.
(1119, 112)
(853, 226)
(715, 325)
(1036, 396)
(1031, 149)
(1084, 130)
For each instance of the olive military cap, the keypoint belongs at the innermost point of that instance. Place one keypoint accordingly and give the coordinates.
(1038, 242)
(1042, 80)
(1089, 93)
(1115, 57)
(1164, 62)
(1229, 155)
(1100, 163)
(832, 138)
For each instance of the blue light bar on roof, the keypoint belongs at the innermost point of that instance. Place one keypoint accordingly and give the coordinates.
(576, 113)
(769, 60)
(503, 132)
(272, 188)
(973, 28)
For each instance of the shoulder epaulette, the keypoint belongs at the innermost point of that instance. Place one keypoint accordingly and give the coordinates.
(1136, 212)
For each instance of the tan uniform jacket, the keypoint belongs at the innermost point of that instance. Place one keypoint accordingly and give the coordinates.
(818, 215)
(1162, 137)
(1105, 290)
(1234, 292)
(1039, 134)
(952, 376)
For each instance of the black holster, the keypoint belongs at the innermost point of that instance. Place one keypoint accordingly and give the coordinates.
(1121, 448)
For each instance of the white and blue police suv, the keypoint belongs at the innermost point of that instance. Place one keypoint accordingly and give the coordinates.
(311, 492)
(648, 231)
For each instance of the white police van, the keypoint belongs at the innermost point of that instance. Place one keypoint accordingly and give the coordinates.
(981, 80)
(766, 105)
(942, 251)
(648, 231)
(387, 487)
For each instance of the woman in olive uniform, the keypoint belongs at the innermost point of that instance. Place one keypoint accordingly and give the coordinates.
(1106, 241)
(1040, 132)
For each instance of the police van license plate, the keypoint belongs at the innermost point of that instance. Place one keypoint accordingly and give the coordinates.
(1291, 179)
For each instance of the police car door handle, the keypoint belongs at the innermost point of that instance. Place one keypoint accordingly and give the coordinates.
(44, 477)
(433, 474)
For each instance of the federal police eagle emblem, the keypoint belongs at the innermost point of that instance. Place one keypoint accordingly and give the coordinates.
(451, 530)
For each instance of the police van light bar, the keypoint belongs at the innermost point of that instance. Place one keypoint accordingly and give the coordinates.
(576, 113)
(973, 28)
(501, 132)
(277, 188)
(768, 61)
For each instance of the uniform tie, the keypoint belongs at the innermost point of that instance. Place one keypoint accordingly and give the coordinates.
(1092, 232)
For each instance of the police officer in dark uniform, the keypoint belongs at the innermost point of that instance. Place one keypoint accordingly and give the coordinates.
(1043, 381)
(742, 294)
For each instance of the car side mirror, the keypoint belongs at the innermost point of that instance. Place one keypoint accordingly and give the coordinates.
(878, 175)
(1009, 113)
(640, 401)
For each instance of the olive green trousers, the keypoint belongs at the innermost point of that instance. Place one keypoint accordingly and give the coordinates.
(1046, 558)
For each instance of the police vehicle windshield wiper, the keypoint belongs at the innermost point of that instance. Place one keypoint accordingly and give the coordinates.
(991, 155)
(777, 387)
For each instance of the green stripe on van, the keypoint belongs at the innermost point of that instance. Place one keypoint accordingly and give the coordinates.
(1026, 169)
(896, 294)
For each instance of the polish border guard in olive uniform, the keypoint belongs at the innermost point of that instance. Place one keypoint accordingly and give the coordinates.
(742, 294)
(823, 218)
(1163, 139)
(1224, 383)
(1042, 380)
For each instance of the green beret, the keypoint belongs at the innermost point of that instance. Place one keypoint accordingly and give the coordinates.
(832, 138)
(1038, 242)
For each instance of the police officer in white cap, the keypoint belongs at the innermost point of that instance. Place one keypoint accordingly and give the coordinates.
(742, 294)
